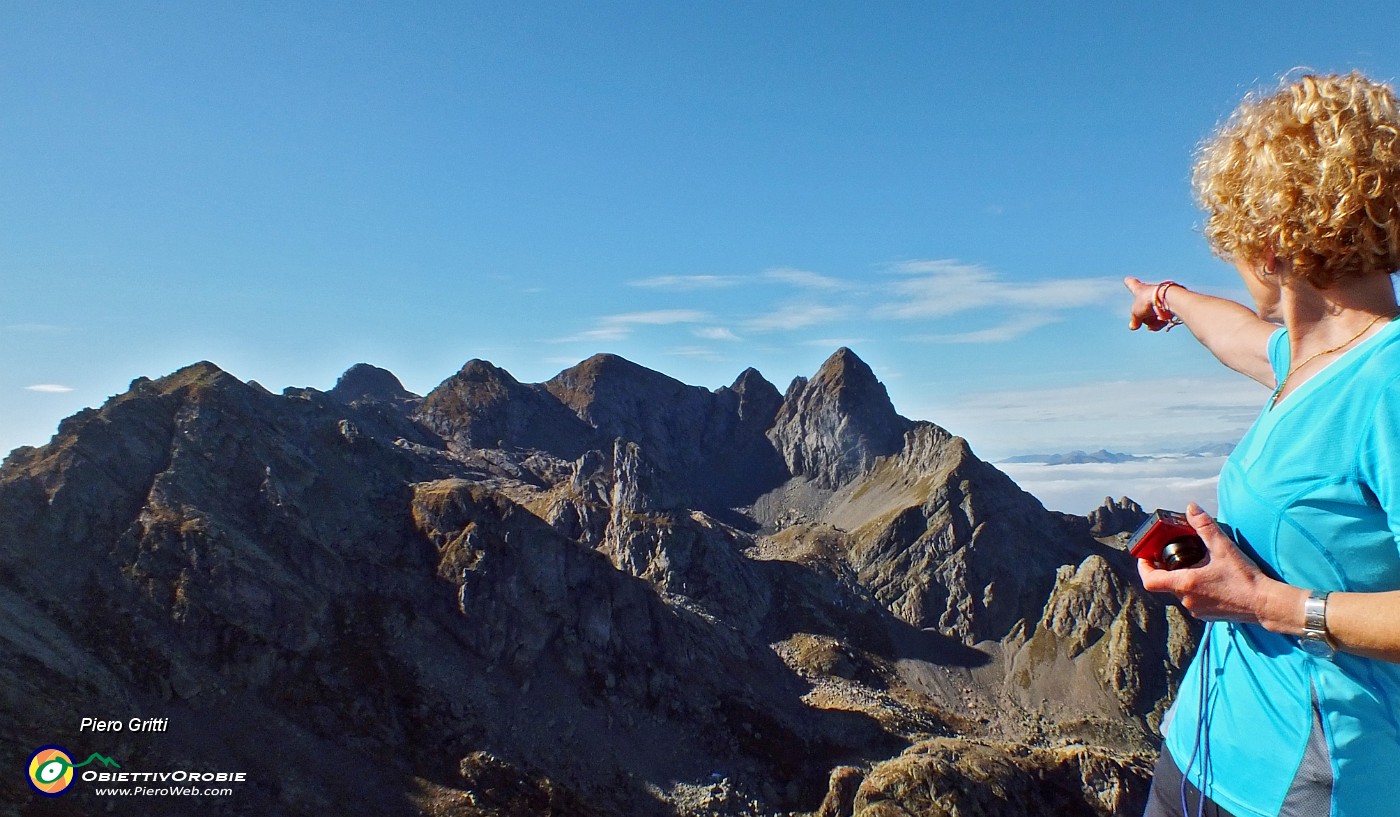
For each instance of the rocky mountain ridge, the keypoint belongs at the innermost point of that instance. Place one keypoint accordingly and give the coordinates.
(609, 593)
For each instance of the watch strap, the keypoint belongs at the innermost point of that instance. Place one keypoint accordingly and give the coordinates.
(1315, 634)
(1315, 614)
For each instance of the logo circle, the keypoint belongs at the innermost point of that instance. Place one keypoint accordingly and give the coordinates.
(50, 770)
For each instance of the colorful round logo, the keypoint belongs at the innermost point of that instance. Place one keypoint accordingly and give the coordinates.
(50, 770)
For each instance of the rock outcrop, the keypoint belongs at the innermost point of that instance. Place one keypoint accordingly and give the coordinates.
(1116, 516)
(962, 778)
(948, 542)
(607, 594)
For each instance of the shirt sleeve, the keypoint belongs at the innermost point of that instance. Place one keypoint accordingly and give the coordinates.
(1279, 354)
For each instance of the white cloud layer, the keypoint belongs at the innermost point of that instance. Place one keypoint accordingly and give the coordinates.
(1167, 482)
(1137, 416)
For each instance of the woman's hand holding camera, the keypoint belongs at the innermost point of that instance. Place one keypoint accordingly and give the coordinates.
(1227, 585)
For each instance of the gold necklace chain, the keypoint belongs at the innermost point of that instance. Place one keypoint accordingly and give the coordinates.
(1349, 341)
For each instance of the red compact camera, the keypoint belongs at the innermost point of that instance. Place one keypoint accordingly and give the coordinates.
(1166, 539)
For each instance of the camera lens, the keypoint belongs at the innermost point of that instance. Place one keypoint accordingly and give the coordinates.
(1183, 552)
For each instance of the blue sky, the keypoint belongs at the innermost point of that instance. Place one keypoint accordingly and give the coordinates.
(952, 191)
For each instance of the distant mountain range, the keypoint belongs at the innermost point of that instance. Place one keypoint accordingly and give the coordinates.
(1074, 458)
(610, 593)
(1104, 455)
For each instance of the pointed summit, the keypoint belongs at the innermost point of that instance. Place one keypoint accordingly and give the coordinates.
(850, 382)
(759, 399)
(628, 400)
(832, 427)
(607, 387)
(363, 383)
(751, 378)
(198, 374)
(844, 358)
(484, 406)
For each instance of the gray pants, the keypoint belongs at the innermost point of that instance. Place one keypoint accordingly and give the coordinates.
(1309, 796)
(1165, 798)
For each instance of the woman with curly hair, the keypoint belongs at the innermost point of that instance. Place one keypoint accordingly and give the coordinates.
(1292, 703)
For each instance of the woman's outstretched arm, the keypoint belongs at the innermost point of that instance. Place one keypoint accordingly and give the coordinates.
(1231, 331)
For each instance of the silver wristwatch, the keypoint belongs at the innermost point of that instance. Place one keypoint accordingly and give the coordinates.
(1315, 639)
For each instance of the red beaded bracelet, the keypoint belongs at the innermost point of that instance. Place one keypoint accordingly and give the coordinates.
(1159, 305)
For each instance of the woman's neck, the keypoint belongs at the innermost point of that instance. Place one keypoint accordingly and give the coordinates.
(1319, 319)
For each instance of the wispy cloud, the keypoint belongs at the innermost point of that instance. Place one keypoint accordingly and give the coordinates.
(687, 282)
(804, 279)
(716, 333)
(1001, 333)
(941, 288)
(696, 352)
(620, 326)
(49, 388)
(787, 299)
(794, 316)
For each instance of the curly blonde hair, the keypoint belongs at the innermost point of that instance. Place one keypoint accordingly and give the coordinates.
(1311, 173)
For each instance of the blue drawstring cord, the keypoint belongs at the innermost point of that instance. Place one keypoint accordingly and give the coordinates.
(1202, 736)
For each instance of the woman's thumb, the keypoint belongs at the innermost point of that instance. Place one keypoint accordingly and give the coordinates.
(1199, 519)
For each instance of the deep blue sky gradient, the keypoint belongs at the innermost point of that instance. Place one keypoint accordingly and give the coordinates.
(290, 188)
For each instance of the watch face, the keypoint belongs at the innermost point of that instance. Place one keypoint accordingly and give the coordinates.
(1316, 646)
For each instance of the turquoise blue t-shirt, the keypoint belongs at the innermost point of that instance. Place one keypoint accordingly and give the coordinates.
(1312, 493)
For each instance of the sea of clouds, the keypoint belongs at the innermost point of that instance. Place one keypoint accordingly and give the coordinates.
(1164, 481)
(1170, 416)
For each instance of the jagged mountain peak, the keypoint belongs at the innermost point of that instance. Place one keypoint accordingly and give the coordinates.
(371, 384)
(749, 379)
(705, 445)
(759, 399)
(846, 373)
(484, 406)
(843, 360)
(477, 370)
(608, 377)
(202, 373)
(1116, 516)
(477, 384)
(831, 428)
